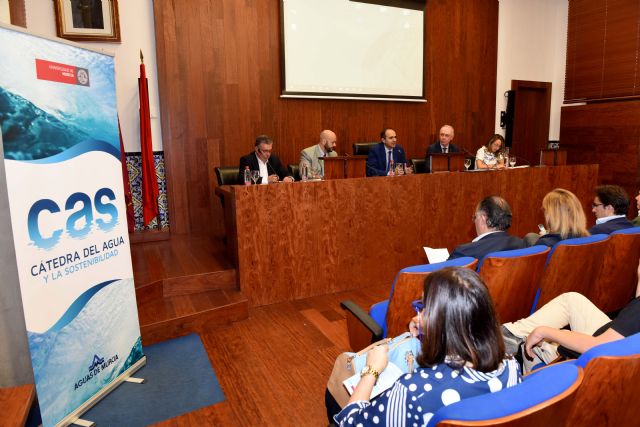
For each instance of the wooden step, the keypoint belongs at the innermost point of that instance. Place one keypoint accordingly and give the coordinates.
(165, 318)
(15, 403)
(185, 285)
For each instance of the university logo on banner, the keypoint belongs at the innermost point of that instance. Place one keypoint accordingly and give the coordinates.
(64, 179)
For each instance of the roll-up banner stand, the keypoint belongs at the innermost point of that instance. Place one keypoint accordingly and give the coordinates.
(66, 200)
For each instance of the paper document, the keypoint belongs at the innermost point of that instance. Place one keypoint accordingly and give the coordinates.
(386, 379)
(436, 255)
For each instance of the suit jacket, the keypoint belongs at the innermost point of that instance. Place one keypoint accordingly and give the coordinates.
(500, 241)
(274, 166)
(377, 159)
(611, 226)
(310, 156)
(436, 149)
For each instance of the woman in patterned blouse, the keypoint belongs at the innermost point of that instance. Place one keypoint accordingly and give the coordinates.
(462, 355)
(491, 155)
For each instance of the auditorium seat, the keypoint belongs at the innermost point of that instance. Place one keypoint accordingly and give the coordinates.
(419, 165)
(227, 175)
(618, 277)
(573, 265)
(542, 399)
(611, 384)
(362, 148)
(513, 278)
(391, 317)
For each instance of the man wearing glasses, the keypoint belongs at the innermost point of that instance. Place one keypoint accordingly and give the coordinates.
(269, 165)
(610, 207)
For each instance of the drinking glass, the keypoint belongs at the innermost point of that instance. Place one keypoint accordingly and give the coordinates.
(255, 176)
(400, 168)
(512, 161)
(315, 173)
(467, 164)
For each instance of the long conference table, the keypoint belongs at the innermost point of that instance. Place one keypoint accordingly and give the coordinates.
(296, 240)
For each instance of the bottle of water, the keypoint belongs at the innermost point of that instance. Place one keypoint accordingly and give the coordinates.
(247, 176)
(304, 173)
(392, 168)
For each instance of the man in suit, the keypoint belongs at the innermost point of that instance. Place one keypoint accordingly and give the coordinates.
(269, 165)
(492, 219)
(610, 206)
(310, 156)
(380, 155)
(444, 144)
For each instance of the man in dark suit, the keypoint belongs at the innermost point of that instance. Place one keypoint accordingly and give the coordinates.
(610, 207)
(269, 165)
(444, 144)
(380, 155)
(492, 219)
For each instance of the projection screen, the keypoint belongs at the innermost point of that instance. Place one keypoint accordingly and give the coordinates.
(352, 49)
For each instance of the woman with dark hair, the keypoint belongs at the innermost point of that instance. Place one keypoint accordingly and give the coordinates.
(491, 155)
(462, 355)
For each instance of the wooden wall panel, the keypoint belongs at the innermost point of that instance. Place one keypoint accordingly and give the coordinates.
(303, 239)
(608, 134)
(219, 80)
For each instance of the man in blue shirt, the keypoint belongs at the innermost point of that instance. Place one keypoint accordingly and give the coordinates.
(610, 207)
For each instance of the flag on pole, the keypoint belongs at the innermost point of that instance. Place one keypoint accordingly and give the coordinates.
(128, 200)
(149, 180)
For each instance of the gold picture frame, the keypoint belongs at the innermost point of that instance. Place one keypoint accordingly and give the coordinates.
(87, 20)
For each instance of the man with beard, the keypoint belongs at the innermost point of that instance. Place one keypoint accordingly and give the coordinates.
(311, 156)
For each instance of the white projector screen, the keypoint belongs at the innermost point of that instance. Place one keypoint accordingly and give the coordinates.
(351, 49)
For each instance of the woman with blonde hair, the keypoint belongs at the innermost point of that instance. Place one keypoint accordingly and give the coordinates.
(564, 217)
(491, 155)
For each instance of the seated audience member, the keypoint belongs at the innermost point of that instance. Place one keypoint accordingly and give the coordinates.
(462, 355)
(492, 219)
(564, 217)
(636, 221)
(380, 155)
(491, 155)
(444, 144)
(309, 157)
(588, 326)
(610, 207)
(269, 165)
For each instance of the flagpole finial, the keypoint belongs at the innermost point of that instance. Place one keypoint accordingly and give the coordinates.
(141, 57)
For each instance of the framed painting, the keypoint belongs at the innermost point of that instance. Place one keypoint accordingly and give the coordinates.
(87, 20)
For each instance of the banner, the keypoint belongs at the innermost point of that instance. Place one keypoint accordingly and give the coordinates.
(68, 215)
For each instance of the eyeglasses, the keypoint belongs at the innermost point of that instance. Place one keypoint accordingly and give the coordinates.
(595, 205)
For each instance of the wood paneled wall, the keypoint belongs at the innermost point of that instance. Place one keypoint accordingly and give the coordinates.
(219, 80)
(608, 134)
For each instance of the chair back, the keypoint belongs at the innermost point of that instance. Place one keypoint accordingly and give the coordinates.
(362, 148)
(611, 384)
(542, 399)
(618, 277)
(408, 287)
(227, 175)
(294, 170)
(419, 165)
(573, 265)
(513, 278)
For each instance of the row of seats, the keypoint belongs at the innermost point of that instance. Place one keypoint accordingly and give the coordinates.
(597, 389)
(601, 267)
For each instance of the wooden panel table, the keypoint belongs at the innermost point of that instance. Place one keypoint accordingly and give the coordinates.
(295, 240)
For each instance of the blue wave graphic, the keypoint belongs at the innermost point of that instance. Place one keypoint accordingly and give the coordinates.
(31, 133)
(78, 150)
(77, 306)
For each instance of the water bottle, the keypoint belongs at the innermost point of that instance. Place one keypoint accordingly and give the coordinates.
(304, 172)
(506, 157)
(247, 176)
(392, 167)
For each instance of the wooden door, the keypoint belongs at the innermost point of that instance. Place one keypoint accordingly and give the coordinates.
(530, 120)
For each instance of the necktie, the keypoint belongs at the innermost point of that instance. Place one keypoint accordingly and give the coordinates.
(446, 150)
(389, 157)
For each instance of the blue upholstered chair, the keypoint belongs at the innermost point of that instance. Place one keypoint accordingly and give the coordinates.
(542, 399)
(609, 392)
(513, 278)
(618, 278)
(391, 317)
(573, 265)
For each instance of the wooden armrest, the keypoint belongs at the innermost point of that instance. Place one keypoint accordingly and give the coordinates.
(362, 329)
